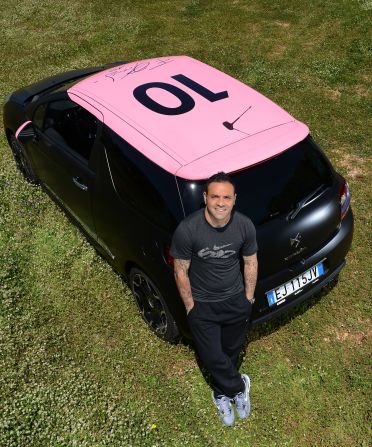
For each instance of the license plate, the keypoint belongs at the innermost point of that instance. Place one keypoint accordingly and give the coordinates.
(295, 285)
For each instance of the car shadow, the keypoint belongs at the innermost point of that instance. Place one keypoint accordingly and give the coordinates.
(267, 328)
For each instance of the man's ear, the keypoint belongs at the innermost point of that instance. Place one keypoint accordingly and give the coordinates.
(205, 197)
(234, 199)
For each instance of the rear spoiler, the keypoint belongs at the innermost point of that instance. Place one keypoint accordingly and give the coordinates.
(27, 93)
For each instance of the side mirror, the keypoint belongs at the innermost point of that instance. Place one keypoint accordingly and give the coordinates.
(26, 132)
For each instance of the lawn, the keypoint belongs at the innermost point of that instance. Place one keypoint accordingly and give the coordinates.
(78, 367)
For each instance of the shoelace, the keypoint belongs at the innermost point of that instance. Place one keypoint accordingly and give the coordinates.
(239, 400)
(224, 405)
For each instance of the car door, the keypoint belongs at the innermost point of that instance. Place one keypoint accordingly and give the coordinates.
(66, 134)
(137, 206)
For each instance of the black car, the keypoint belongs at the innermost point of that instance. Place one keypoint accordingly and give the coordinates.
(126, 148)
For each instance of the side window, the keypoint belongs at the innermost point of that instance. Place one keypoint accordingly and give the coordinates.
(67, 122)
(38, 119)
(133, 186)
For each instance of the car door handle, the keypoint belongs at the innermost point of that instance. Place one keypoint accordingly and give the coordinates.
(78, 183)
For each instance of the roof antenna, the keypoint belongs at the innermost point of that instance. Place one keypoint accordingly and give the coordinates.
(230, 126)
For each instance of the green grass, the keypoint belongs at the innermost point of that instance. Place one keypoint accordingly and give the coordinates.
(77, 365)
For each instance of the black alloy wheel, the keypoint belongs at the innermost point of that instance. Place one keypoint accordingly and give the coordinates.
(152, 306)
(22, 161)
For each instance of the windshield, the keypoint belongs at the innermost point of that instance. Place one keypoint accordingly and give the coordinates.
(273, 187)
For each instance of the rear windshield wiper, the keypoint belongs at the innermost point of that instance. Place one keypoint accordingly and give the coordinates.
(292, 214)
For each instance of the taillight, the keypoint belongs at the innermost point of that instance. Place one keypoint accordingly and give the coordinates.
(167, 256)
(344, 197)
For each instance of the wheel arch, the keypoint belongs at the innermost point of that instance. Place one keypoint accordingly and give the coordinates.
(172, 331)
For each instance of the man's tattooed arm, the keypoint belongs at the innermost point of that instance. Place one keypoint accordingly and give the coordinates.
(250, 275)
(181, 274)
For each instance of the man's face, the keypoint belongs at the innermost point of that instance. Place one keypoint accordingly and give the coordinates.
(219, 200)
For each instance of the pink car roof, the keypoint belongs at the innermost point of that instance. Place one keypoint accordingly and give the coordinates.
(189, 118)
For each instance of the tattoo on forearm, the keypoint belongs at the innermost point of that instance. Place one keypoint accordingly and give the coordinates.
(185, 293)
(250, 273)
(181, 268)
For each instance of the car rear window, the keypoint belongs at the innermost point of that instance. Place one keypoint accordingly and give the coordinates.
(273, 187)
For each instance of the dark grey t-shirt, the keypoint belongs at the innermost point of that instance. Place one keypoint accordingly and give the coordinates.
(215, 254)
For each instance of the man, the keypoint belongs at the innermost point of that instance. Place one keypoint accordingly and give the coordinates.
(207, 247)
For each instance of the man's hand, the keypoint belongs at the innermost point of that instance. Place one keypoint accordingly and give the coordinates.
(190, 308)
(250, 276)
(181, 269)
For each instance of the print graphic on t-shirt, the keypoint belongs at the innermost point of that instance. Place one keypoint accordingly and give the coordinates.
(216, 252)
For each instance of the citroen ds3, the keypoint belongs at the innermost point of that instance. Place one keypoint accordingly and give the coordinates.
(125, 150)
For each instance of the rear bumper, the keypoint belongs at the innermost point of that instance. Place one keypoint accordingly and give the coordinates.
(312, 291)
(333, 252)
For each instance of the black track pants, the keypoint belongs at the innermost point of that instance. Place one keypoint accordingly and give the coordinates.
(219, 330)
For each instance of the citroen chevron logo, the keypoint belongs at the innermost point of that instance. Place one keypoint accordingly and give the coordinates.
(295, 242)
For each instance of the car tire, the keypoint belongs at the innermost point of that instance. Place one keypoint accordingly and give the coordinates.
(22, 161)
(152, 306)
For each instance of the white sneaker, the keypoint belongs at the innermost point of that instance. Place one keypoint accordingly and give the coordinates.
(242, 402)
(225, 409)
